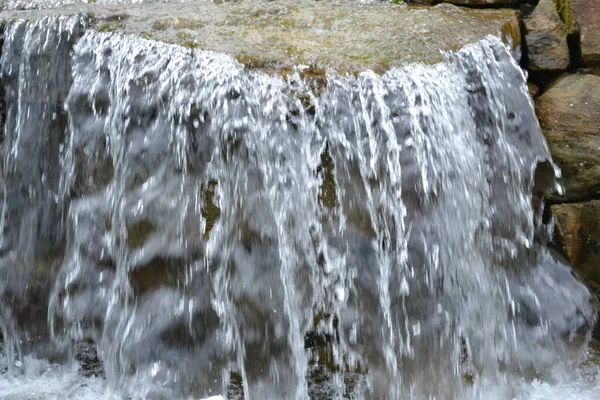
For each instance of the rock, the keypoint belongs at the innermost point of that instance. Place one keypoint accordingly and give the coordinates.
(578, 235)
(567, 218)
(546, 38)
(569, 114)
(478, 3)
(534, 90)
(587, 15)
(277, 35)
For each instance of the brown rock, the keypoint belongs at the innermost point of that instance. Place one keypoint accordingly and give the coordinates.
(569, 114)
(567, 218)
(578, 232)
(587, 15)
(546, 38)
(534, 89)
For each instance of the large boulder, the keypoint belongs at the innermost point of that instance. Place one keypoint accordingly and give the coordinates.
(569, 114)
(587, 15)
(278, 35)
(546, 38)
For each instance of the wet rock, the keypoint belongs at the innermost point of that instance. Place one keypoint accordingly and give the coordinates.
(567, 218)
(89, 362)
(279, 35)
(534, 90)
(546, 38)
(569, 114)
(587, 15)
(577, 235)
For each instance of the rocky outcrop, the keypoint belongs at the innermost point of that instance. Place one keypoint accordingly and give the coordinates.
(569, 114)
(586, 13)
(546, 38)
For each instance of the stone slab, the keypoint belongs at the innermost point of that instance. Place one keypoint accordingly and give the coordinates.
(343, 35)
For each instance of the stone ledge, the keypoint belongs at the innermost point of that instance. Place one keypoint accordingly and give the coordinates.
(341, 35)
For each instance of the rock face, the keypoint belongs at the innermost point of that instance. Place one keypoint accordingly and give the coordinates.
(587, 15)
(578, 232)
(546, 37)
(278, 35)
(569, 114)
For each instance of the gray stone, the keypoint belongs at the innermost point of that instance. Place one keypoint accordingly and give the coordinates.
(546, 38)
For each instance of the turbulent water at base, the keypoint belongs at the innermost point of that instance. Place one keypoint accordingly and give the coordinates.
(205, 229)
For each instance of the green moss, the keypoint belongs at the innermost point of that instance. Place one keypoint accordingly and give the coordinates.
(209, 210)
(566, 15)
(108, 28)
(187, 40)
(511, 32)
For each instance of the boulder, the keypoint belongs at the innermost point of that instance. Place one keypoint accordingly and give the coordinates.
(277, 35)
(569, 114)
(546, 38)
(587, 15)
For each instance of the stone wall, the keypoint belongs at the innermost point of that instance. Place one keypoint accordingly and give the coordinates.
(563, 51)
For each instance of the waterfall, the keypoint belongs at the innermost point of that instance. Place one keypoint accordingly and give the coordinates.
(211, 228)
(43, 4)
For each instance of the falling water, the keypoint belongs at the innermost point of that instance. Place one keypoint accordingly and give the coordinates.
(34, 4)
(209, 229)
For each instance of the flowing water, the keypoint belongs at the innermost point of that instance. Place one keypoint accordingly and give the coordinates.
(35, 4)
(175, 225)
